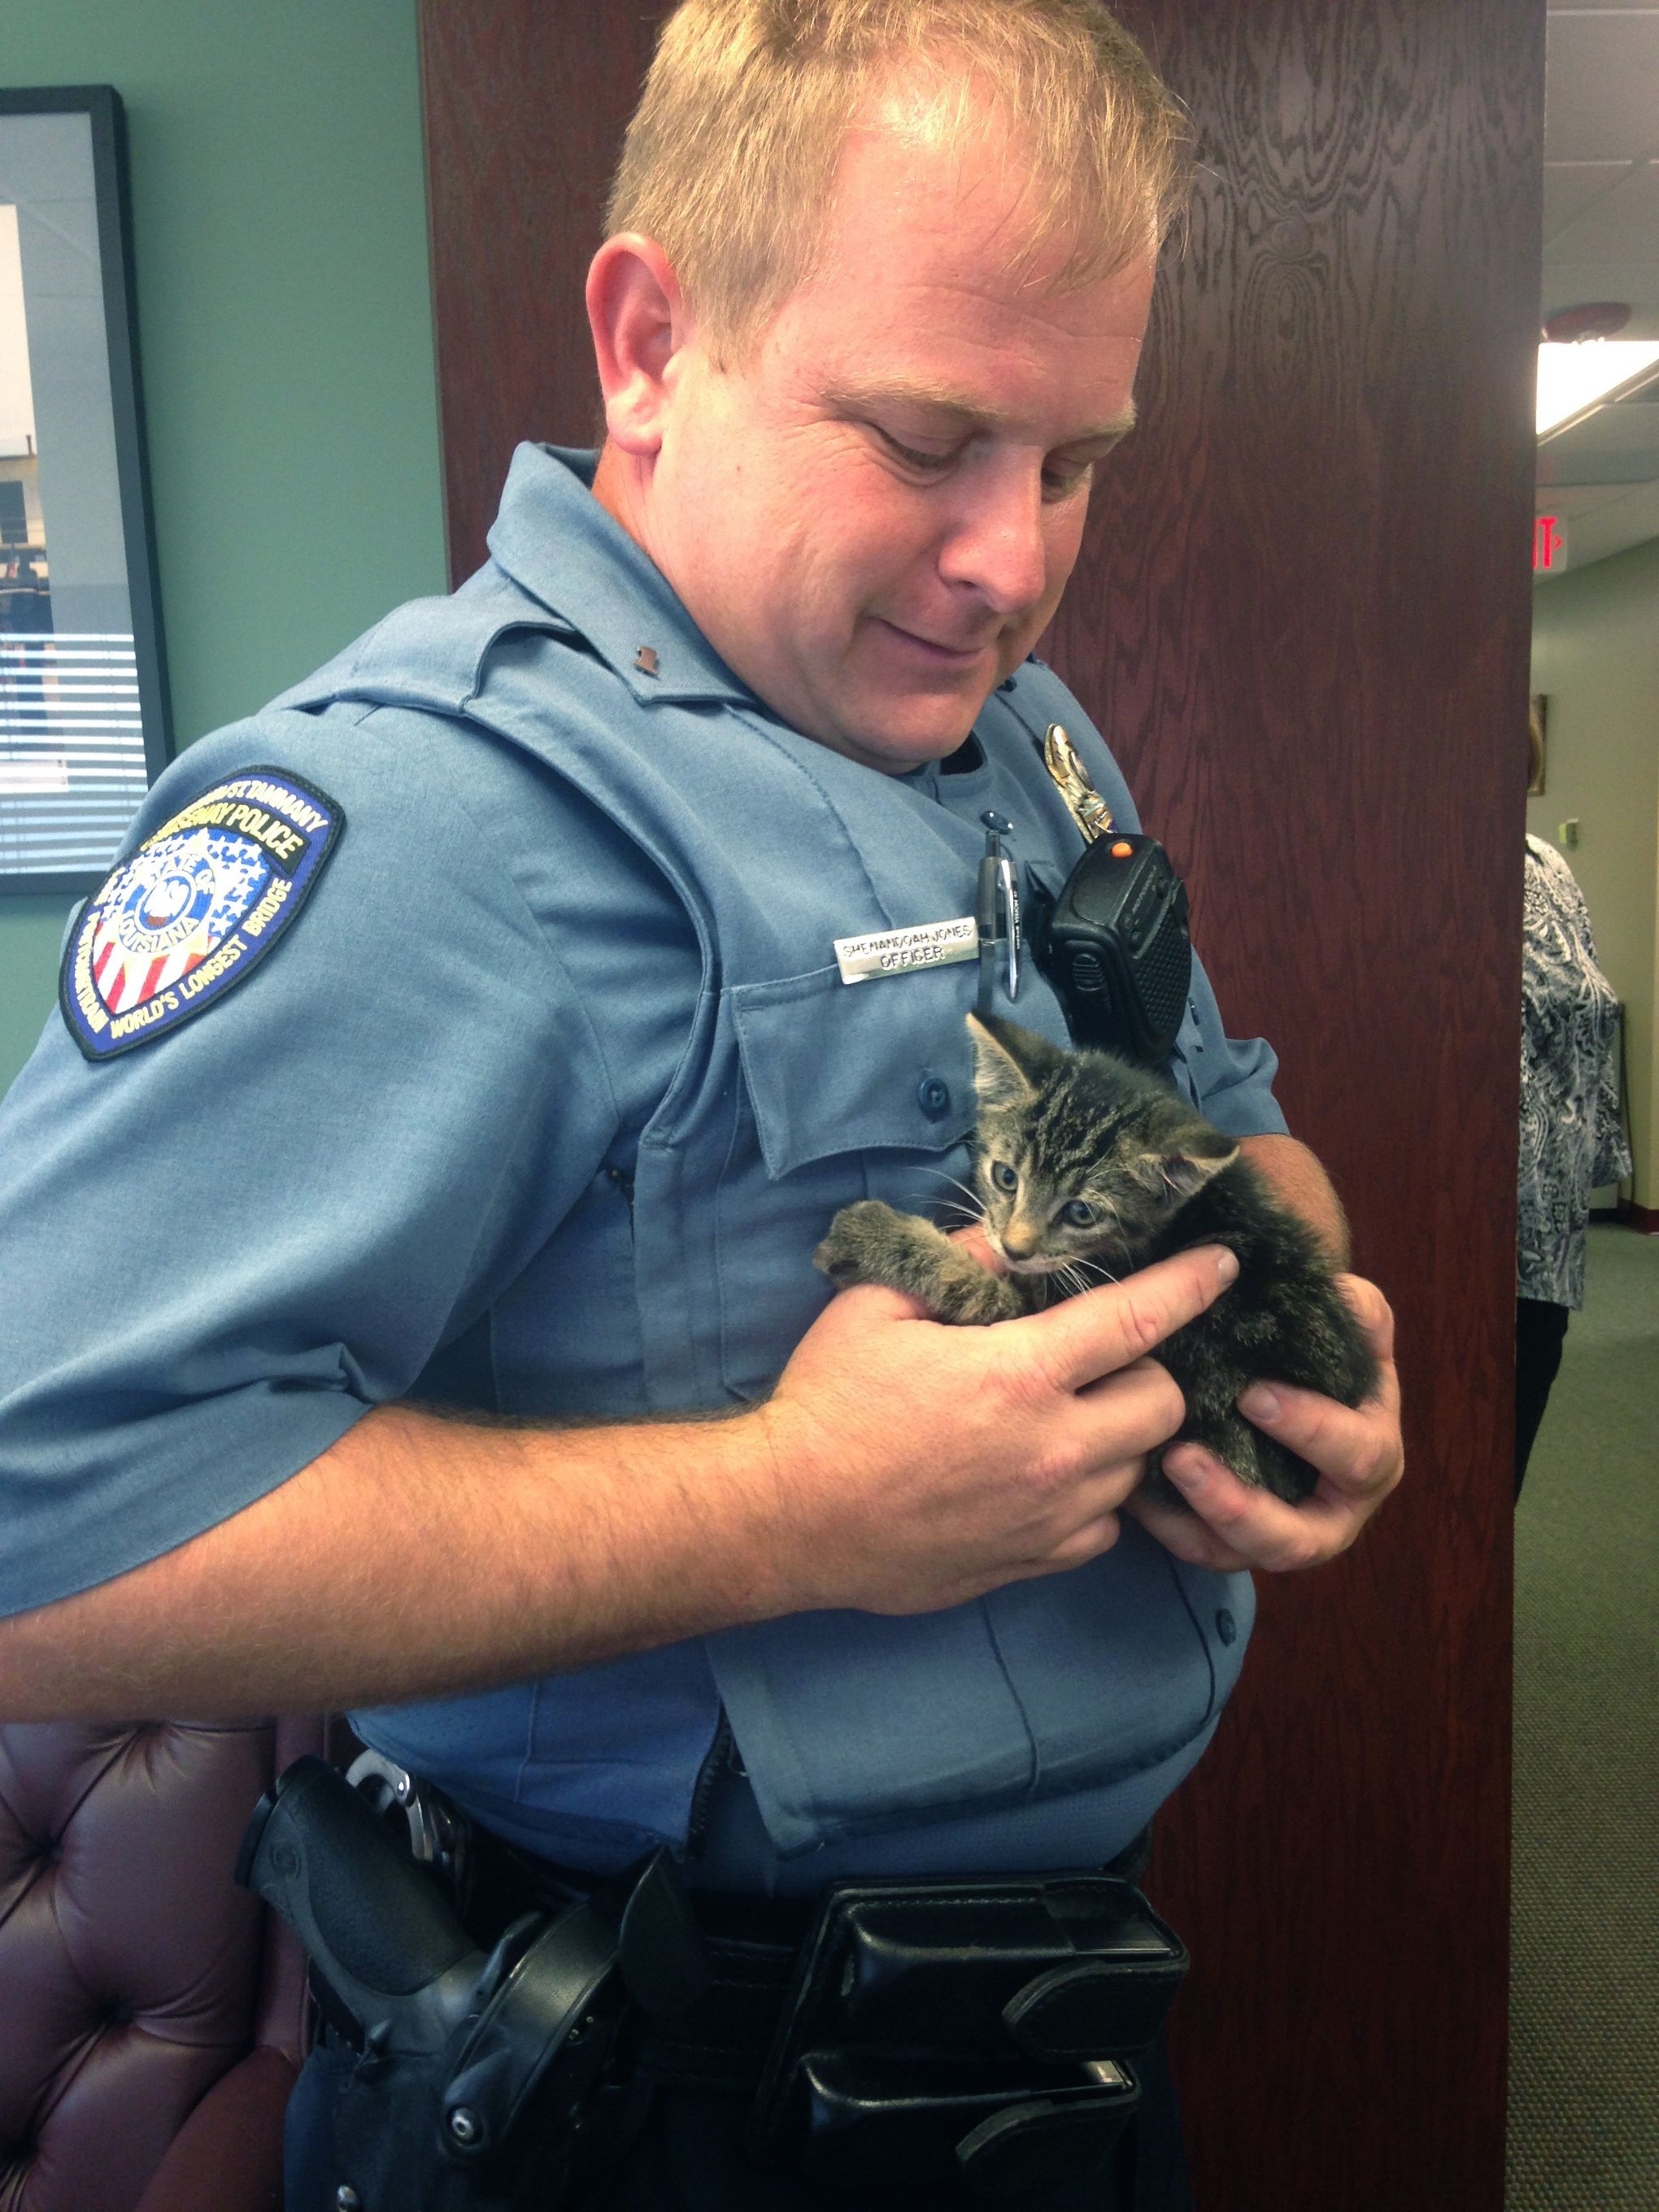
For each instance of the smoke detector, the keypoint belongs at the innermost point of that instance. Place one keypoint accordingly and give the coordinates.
(1599, 319)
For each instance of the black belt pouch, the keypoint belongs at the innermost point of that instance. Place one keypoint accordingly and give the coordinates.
(968, 2033)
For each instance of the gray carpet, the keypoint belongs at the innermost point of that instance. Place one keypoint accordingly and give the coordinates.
(1583, 2126)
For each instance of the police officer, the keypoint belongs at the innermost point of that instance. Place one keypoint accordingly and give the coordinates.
(464, 1031)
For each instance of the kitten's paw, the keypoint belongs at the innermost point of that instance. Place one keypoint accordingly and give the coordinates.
(1283, 1473)
(1255, 1458)
(872, 1243)
(1157, 1487)
(971, 1297)
(862, 1244)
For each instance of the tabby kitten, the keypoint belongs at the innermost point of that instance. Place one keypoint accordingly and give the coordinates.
(1088, 1168)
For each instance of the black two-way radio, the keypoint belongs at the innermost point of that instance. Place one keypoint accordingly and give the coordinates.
(1115, 945)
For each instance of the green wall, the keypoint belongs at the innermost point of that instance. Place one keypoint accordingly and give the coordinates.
(285, 331)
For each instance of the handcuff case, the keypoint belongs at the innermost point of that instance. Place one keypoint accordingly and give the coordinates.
(966, 2028)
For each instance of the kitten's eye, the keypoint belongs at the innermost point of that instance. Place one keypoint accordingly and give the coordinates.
(1003, 1175)
(1078, 1214)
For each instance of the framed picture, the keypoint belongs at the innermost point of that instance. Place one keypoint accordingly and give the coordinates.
(83, 704)
(1537, 742)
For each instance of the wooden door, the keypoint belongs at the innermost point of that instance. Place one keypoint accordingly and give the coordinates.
(1302, 619)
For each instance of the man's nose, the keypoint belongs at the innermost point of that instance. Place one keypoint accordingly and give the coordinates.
(999, 544)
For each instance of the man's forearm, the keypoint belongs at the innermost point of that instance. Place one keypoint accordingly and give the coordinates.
(1297, 1179)
(898, 1467)
(417, 1556)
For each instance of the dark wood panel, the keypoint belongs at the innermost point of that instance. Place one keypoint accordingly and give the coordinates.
(526, 105)
(1303, 616)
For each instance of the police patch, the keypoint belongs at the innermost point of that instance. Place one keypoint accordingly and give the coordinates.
(194, 910)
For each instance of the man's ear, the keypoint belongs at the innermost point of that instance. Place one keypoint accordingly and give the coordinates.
(640, 321)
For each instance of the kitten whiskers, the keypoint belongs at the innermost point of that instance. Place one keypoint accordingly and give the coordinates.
(967, 1189)
(1099, 1268)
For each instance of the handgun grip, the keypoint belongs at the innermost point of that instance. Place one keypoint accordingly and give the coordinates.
(374, 1923)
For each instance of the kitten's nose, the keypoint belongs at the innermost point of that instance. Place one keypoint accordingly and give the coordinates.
(1019, 1241)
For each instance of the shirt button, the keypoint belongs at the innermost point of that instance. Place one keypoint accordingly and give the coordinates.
(1226, 1627)
(933, 1096)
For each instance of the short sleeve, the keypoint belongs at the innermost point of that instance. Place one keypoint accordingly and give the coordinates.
(1232, 1078)
(222, 1247)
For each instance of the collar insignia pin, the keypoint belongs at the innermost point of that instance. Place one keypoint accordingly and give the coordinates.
(644, 660)
(1084, 803)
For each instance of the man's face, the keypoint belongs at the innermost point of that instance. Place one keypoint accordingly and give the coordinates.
(872, 517)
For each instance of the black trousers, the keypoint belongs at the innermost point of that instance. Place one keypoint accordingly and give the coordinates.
(1541, 1331)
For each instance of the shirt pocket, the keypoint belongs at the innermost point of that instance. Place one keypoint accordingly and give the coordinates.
(845, 1091)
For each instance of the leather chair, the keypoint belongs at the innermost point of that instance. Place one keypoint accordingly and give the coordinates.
(153, 2016)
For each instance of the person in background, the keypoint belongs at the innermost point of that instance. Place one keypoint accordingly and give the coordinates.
(1571, 1139)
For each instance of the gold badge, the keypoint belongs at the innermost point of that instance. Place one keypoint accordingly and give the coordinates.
(1075, 786)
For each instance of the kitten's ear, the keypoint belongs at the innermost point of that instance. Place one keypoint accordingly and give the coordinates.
(1008, 1060)
(1182, 1171)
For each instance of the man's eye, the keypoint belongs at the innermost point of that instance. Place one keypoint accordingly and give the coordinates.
(1060, 484)
(925, 464)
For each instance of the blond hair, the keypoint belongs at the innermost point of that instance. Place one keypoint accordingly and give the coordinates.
(730, 160)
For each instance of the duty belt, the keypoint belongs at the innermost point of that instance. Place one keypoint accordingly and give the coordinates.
(889, 2035)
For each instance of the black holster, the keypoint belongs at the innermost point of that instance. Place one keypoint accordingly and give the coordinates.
(463, 2080)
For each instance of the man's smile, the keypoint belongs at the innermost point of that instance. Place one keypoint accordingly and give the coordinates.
(945, 656)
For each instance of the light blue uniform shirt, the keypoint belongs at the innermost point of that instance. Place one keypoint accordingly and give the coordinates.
(539, 1107)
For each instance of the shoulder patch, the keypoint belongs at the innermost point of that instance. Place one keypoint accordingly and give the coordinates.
(194, 910)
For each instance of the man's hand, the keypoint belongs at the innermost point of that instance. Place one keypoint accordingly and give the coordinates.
(916, 1466)
(1357, 1453)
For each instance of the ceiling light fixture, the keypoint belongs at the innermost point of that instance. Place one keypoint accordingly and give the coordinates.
(1574, 381)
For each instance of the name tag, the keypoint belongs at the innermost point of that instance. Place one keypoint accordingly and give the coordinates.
(895, 952)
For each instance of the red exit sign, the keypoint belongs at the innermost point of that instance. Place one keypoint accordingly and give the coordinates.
(1549, 543)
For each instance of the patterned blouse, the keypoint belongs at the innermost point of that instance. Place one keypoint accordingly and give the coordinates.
(1572, 1140)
